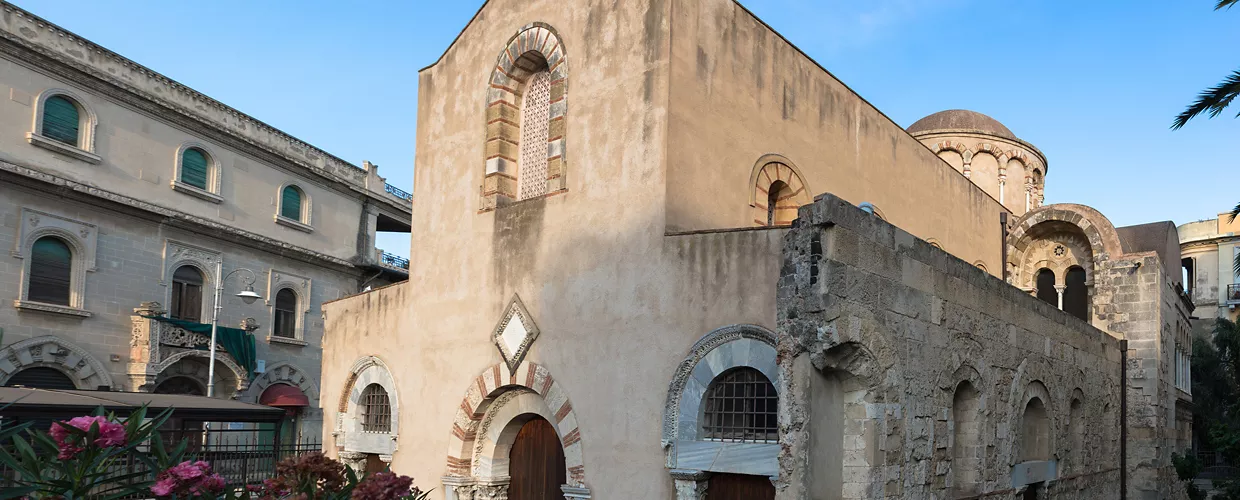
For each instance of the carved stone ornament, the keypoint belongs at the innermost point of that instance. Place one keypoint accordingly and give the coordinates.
(514, 334)
(1060, 250)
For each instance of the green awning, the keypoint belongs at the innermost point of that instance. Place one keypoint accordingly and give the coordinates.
(239, 343)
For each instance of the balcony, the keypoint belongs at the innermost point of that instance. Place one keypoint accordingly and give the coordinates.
(1233, 293)
(393, 261)
(159, 344)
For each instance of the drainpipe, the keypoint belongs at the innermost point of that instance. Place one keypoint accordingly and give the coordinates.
(1123, 419)
(1003, 245)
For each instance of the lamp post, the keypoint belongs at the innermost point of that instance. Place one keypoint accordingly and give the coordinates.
(248, 296)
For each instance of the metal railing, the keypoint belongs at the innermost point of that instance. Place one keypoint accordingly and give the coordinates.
(1233, 293)
(393, 261)
(397, 192)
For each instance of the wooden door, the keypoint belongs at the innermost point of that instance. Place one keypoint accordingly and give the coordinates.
(739, 487)
(536, 463)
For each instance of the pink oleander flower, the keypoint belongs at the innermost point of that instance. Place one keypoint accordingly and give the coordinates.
(110, 434)
(188, 478)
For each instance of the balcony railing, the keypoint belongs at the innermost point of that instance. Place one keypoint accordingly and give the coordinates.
(397, 192)
(1233, 293)
(393, 261)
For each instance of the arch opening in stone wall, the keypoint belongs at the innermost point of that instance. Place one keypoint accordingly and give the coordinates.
(526, 110)
(495, 409)
(777, 190)
(1076, 434)
(79, 366)
(968, 450)
(1076, 293)
(1046, 287)
(230, 378)
(358, 443)
(1071, 240)
(841, 393)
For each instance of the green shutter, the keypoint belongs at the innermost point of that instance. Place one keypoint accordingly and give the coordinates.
(194, 168)
(60, 120)
(290, 203)
(51, 270)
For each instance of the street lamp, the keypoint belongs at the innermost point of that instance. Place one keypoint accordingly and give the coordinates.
(248, 296)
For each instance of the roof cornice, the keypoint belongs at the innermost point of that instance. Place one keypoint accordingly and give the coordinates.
(35, 42)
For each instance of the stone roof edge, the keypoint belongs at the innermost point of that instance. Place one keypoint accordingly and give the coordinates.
(358, 173)
(55, 180)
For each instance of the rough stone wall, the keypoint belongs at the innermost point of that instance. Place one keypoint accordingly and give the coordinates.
(878, 329)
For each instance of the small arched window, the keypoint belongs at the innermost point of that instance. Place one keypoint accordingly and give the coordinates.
(1035, 443)
(376, 409)
(968, 453)
(186, 300)
(1075, 295)
(741, 405)
(51, 272)
(1046, 287)
(285, 321)
(535, 129)
(291, 203)
(61, 120)
(778, 191)
(195, 168)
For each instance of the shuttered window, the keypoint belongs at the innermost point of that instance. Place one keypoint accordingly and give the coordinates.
(186, 294)
(194, 168)
(290, 203)
(60, 120)
(51, 269)
(286, 317)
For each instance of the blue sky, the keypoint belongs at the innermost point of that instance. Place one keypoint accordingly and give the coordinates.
(1094, 85)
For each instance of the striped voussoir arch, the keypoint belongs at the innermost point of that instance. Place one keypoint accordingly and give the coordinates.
(494, 382)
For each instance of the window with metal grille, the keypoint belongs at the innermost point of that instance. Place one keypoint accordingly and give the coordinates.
(286, 315)
(195, 168)
(290, 203)
(376, 409)
(60, 120)
(535, 128)
(741, 405)
(186, 300)
(51, 271)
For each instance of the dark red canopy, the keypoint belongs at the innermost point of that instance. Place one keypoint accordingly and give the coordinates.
(284, 396)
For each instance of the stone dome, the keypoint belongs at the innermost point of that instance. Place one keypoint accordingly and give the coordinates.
(960, 120)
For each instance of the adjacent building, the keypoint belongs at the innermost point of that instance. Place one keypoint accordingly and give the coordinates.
(665, 255)
(124, 198)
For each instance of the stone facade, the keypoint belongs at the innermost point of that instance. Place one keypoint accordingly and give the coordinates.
(117, 200)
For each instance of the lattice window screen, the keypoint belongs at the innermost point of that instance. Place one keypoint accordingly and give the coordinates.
(535, 111)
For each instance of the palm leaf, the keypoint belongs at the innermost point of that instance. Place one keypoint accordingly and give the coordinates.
(1214, 100)
(1225, 4)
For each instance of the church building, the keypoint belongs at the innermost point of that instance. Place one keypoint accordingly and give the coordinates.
(660, 253)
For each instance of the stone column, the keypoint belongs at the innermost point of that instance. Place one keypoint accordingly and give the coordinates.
(354, 459)
(690, 484)
(143, 347)
(1059, 291)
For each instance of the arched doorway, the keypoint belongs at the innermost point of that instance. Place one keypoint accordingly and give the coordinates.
(41, 377)
(536, 463)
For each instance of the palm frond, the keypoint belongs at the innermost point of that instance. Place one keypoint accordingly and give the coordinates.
(1225, 4)
(1213, 100)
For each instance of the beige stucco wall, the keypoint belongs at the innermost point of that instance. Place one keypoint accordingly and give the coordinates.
(757, 94)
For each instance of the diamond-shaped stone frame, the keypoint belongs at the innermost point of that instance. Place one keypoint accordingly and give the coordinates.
(514, 308)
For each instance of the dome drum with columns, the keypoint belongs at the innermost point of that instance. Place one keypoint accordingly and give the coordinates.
(1011, 170)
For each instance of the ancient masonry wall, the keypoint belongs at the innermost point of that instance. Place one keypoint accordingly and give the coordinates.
(907, 373)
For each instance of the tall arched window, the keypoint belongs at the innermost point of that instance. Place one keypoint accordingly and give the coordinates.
(376, 409)
(1076, 431)
(290, 203)
(195, 168)
(535, 112)
(741, 405)
(285, 321)
(186, 302)
(967, 451)
(1046, 287)
(61, 120)
(1075, 295)
(51, 272)
(1035, 442)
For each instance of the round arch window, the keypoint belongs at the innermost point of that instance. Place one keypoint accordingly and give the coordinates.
(741, 405)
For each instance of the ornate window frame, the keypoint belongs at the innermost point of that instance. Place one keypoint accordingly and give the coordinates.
(82, 238)
(688, 454)
(305, 224)
(214, 173)
(87, 122)
(301, 287)
(54, 352)
(349, 435)
(179, 253)
(503, 110)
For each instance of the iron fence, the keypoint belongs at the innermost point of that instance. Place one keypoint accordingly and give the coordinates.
(391, 260)
(398, 192)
